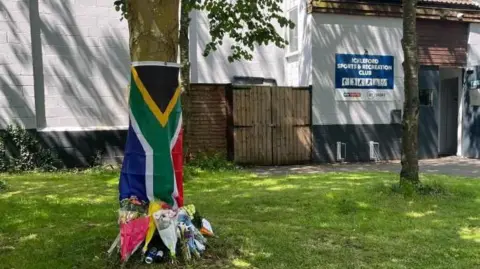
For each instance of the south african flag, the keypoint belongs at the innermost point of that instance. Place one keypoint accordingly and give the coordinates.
(152, 166)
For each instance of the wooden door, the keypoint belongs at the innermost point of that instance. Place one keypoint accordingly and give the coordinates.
(291, 133)
(271, 125)
(252, 125)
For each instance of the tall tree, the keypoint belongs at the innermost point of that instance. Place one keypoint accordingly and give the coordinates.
(409, 172)
(151, 170)
(184, 41)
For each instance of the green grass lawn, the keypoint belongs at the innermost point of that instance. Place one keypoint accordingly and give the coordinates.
(338, 220)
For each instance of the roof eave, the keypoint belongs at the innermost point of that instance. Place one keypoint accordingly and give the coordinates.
(394, 10)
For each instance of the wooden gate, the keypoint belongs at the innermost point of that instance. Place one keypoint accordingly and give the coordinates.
(270, 125)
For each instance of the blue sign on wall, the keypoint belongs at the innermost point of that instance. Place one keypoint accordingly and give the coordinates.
(367, 72)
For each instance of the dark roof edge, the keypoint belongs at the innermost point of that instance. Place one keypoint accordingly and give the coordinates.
(393, 10)
(424, 4)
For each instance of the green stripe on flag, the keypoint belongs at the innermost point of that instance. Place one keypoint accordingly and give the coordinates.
(159, 139)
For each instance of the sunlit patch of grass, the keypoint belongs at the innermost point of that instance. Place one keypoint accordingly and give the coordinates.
(470, 233)
(282, 187)
(10, 194)
(335, 220)
(28, 237)
(241, 263)
(363, 205)
(413, 214)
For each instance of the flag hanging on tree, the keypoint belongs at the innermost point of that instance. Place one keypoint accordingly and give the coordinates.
(152, 166)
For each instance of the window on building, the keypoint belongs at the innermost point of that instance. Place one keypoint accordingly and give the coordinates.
(292, 35)
(426, 97)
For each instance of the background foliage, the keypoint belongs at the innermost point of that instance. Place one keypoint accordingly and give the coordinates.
(20, 150)
(246, 22)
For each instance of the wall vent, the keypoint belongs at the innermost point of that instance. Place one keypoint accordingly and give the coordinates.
(374, 151)
(241, 80)
(341, 151)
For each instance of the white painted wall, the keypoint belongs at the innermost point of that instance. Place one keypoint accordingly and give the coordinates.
(305, 61)
(298, 66)
(79, 52)
(292, 59)
(333, 34)
(473, 56)
(268, 61)
(82, 63)
(17, 104)
(85, 63)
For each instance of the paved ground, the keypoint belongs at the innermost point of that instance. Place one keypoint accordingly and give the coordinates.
(448, 166)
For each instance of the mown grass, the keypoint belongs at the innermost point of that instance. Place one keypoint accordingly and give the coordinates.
(336, 220)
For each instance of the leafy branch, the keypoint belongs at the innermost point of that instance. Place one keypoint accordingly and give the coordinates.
(246, 22)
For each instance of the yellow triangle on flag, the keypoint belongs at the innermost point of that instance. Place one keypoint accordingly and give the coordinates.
(162, 117)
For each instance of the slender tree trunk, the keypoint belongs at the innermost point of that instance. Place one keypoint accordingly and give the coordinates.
(185, 74)
(153, 26)
(409, 172)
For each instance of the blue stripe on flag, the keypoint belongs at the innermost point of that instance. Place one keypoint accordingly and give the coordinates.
(132, 177)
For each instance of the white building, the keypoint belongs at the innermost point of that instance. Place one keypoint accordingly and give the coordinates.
(64, 69)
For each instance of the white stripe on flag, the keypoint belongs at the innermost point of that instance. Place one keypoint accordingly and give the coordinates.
(177, 132)
(148, 158)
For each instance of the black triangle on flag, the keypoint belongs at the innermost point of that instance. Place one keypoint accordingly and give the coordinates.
(161, 82)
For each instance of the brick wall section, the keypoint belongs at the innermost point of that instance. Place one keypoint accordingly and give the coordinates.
(208, 119)
(17, 104)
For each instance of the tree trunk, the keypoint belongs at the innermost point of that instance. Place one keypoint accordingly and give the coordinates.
(185, 74)
(153, 26)
(153, 162)
(409, 172)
